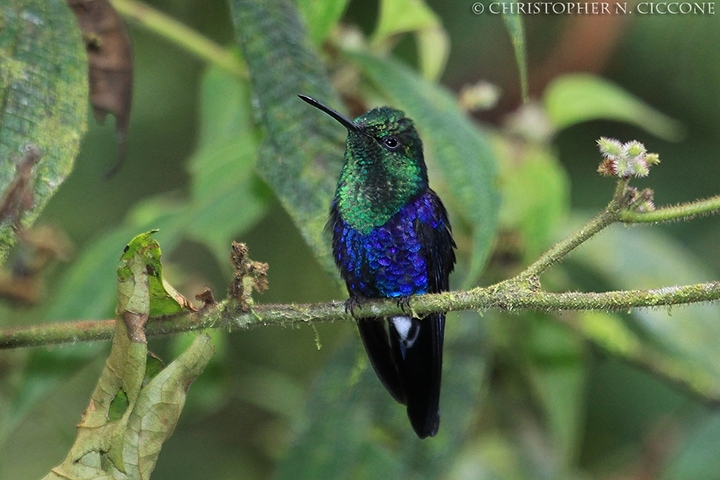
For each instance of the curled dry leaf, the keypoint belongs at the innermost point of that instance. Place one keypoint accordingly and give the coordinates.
(207, 297)
(248, 276)
(110, 64)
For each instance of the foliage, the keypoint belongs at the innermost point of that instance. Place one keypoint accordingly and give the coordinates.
(525, 395)
(43, 91)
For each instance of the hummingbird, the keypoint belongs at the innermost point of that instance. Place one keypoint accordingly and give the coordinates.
(391, 238)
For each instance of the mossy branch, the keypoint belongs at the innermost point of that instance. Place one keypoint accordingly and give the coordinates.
(519, 293)
(510, 295)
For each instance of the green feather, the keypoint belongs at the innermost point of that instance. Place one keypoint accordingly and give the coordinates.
(377, 181)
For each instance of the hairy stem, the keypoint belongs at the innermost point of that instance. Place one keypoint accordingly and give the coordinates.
(506, 296)
(182, 36)
(607, 217)
(676, 212)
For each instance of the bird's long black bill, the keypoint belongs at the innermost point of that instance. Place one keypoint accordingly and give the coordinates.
(344, 121)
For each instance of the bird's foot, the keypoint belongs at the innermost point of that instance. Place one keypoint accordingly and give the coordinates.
(404, 304)
(351, 304)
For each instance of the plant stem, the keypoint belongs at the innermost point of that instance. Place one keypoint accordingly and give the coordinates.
(607, 217)
(182, 36)
(519, 293)
(562, 248)
(676, 212)
(506, 296)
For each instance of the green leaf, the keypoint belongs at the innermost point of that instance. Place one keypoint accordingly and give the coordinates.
(401, 16)
(354, 429)
(227, 199)
(129, 447)
(433, 50)
(43, 105)
(164, 300)
(456, 146)
(608, 331)
(536, 194)
(301, 152)
(321, 16)
(224, 112)
(227, 196)
(128, 417)
(577, 98)
(516, 29)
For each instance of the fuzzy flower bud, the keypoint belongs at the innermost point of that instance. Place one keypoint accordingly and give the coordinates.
(625, 160)
(610, 148)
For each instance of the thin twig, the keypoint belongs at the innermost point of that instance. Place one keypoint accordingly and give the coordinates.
(684, 211)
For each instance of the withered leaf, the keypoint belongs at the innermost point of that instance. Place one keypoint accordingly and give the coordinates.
(110, 65)
(248, 276)
(19, 196)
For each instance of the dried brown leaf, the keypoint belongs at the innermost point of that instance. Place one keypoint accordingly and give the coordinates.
(110, 62)
(248, 276)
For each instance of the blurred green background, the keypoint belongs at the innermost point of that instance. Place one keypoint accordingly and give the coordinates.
(243, 413)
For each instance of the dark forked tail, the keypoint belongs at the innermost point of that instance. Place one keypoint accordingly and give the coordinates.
(409, 364)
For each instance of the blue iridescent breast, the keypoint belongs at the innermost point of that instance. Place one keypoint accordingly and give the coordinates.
(388, 261)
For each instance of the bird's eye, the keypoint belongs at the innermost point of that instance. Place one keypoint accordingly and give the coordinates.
(391, 142)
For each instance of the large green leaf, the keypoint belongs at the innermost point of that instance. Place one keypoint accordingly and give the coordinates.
(576, 98)
(226, 200)
(457, 147)
(301, 155)
(321, 16)
(228, 197)
(43, 105)
(433, 43)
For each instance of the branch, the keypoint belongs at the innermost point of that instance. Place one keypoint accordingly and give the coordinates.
(511, 296)
(684, 211)
(522, 292)
(182, 36)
